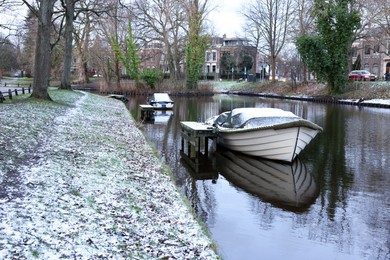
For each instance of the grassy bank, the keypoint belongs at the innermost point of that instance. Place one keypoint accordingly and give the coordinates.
(354, 90)
(79, 180)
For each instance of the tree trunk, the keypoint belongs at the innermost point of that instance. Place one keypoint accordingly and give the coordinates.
(43, 51)
(304, 73)
(66, 72)
(273, 68)
(83, 50)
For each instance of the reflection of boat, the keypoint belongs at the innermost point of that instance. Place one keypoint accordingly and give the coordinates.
(201, 167)
(161, 101)
(162, 117)
(286, 185)
(270, 133)
(158, 117)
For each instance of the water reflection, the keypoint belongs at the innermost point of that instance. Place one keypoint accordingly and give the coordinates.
(157, 117)
(349, 161)
(286, 185)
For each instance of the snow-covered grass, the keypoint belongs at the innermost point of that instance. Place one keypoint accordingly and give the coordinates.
(79, 180)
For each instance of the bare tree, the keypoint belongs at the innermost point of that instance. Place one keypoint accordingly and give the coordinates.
(82, 12)
(376, 22)
(270, 20)
(100, 56)
(163, 20)
(304, 24)
(43, 48)
(69, 8)
(82, 41)
(9, 22)
(112, 26)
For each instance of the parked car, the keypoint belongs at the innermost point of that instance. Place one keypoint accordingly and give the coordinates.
(362, 75)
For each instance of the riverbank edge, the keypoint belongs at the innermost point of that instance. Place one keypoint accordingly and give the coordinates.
(239, 89)
(320, 99)
(166, 227)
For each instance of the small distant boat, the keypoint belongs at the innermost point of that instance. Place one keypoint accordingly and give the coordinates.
(269, 133)
(161, 101)
(286, 185)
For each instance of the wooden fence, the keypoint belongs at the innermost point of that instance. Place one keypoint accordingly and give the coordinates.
(17, 89)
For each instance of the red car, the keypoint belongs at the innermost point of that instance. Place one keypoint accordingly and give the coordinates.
(361, 75)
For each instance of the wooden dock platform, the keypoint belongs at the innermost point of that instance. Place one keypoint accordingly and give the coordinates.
(194, 135)
(147, 112)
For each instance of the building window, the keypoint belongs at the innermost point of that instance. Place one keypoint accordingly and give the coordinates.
(207, 56)
(367, 50)
(376, 49)
(208, 69)
(214, 68)
(367, 67)
(375, 69)
(214, 55)
(354, 52)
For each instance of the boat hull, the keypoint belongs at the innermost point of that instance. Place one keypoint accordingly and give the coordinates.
(161, 105)
(275, 144)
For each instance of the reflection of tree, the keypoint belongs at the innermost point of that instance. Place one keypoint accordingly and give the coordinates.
(199, 193)
(330, 163)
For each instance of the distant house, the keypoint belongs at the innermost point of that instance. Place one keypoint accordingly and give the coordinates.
(373, 55)
(241, 53)
(241, 56)
(212, 59)
(152, 56)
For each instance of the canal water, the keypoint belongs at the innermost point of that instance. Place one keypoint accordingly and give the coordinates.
(331, 203)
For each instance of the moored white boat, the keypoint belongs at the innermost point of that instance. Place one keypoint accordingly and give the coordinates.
(285, 185)
(269, 133)
(161, 101)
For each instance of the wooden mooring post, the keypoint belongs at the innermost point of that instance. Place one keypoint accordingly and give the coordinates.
(194, 140)
(147, 112)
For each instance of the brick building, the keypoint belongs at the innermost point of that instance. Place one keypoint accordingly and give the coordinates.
(373, 54)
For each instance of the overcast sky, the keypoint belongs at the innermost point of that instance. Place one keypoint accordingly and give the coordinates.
(226, 17)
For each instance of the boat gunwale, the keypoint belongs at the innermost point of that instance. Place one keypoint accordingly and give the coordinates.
(277, 126)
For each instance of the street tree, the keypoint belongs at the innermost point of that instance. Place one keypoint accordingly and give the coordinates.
(326, 53)
(269, 22)
(197, 42)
